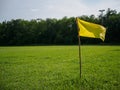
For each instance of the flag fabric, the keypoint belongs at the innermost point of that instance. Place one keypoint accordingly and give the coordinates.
(87, 29)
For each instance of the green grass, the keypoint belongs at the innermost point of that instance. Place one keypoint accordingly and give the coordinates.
(57, 68)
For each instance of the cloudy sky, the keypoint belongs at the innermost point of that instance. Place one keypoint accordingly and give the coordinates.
(32, 9)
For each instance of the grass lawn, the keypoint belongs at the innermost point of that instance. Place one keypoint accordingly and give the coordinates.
(57, 68)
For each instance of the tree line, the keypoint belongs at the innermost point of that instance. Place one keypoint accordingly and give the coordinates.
(58, 31)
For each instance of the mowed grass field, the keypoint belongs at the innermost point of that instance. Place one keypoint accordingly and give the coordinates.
(57, 68)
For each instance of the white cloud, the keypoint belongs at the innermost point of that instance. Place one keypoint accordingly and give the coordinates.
(68, 8)
(30, 9)
(34, 10)
(61, 8)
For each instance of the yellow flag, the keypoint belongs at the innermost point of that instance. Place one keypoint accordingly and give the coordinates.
(92, 30)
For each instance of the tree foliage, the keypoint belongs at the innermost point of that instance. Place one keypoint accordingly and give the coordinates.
(57, 31)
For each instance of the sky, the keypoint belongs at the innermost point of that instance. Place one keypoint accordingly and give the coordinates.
(33, 9)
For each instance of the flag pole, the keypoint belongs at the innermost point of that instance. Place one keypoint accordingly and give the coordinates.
(80, 55)
(79, 43)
